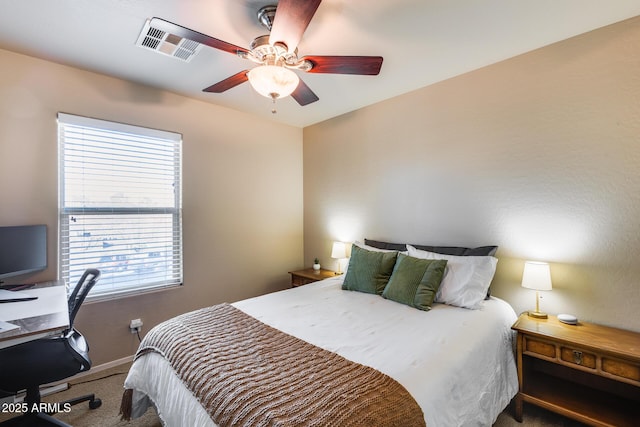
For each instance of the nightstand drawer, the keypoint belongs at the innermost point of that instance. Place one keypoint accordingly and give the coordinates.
(578, 357)
(622, 369)
(309, 275)
(299, 281)
(536, 347)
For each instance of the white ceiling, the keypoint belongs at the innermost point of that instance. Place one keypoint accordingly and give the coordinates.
(422, 42)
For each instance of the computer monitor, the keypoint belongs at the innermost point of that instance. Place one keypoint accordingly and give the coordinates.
(23, 249)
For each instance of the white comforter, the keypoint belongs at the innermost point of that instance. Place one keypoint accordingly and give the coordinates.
(457, 363)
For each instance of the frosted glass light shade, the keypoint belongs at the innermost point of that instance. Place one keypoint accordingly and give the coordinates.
(537, 275)
(338, 250)
(273, 81)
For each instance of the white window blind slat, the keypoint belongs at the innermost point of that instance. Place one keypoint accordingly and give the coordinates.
(120, 205)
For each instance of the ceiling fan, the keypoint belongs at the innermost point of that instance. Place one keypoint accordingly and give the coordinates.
(277, 54)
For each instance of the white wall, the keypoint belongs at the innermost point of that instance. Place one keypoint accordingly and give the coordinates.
(539, 154)
(242, 183)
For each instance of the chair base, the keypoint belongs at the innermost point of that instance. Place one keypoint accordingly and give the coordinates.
(35, 419)
(94, 402)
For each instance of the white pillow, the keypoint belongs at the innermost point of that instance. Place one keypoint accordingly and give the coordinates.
(466, 278)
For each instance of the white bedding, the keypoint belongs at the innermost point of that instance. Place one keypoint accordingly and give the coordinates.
(457, 363)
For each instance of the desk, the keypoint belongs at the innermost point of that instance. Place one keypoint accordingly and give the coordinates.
(45, 316)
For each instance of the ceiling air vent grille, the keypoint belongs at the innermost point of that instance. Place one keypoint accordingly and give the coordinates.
(167, 43)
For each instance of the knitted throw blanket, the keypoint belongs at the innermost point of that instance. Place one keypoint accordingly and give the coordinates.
(246, 373)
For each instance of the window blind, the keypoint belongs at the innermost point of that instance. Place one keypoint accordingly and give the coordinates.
(120, 205)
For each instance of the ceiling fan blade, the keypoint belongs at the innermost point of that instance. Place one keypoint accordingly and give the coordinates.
(291, 20)
(361, 65)
(303, 94)
(228, 83)
(187, 33)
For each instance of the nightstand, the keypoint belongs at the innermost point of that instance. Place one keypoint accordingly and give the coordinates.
(587, 372)
(309, 275)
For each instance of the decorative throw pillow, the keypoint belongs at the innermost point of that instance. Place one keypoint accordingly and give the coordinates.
(466, 278)
(368, 271)
(415, 281)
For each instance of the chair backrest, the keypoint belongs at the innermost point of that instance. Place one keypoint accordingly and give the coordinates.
(84, 285)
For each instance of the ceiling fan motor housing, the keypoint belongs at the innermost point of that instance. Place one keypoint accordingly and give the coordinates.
(262, 52)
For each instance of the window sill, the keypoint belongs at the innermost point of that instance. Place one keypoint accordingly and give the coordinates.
(131, 293)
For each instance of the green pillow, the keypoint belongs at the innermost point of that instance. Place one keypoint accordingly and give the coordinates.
(369, 271)
(415, 281)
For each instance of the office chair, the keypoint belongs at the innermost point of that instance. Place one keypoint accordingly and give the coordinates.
(28, 365)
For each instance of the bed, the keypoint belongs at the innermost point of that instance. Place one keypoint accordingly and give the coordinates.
(456, 362)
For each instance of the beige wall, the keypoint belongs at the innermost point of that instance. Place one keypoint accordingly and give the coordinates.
(539, 154)
(242, 183)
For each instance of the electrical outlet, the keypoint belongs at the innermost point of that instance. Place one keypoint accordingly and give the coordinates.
(135, 325)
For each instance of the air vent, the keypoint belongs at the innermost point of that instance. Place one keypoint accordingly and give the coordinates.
(167, 43)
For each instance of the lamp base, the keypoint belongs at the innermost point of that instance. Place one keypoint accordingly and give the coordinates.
(537, 314)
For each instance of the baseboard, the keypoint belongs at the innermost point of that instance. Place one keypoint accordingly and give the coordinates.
(102, 367)
(96, 369)
(45, 390)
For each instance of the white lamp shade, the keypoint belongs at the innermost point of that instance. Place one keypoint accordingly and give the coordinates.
(273, 81)
(537, 275)
(339, 250)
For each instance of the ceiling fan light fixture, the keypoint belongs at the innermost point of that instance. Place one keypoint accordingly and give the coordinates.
(273, 81)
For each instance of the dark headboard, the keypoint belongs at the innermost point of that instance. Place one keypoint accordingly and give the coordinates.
(446, 250)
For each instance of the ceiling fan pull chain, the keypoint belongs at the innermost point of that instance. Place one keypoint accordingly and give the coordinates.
(273, 98)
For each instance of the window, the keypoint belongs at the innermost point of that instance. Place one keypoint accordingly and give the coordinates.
(120, 205)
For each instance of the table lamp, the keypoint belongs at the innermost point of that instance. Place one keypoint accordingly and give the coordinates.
(537, 275)
(339, 252)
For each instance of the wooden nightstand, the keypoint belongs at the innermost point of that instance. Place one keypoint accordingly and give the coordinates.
(309, 275)
(587, 372)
